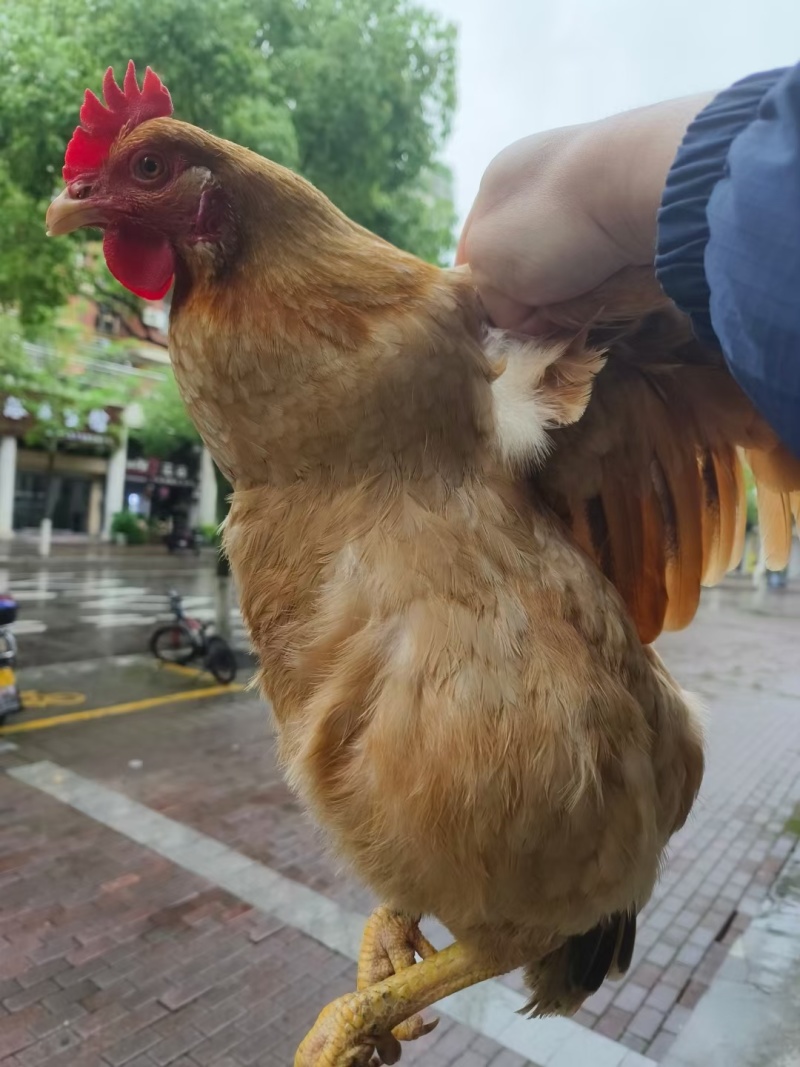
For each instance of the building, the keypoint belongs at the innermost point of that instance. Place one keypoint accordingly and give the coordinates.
(91, 475)
(92, 478)
(72, 483)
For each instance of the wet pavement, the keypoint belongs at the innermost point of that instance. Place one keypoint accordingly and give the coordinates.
(750, 1016)
(163, 900)
(80, 608)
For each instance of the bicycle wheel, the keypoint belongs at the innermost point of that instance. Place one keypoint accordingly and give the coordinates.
(172, 643)
(220, 660)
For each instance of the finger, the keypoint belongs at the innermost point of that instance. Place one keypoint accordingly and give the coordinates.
(537, 324)
(501, 310)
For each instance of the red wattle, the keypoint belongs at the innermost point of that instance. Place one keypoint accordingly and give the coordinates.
(140, 259)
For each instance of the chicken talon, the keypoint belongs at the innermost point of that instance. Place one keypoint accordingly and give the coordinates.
(414, 1027)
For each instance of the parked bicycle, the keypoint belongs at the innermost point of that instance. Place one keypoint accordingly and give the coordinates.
(185, 639)
(10, 697)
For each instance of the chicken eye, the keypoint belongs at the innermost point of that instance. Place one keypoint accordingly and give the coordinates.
(149, 167)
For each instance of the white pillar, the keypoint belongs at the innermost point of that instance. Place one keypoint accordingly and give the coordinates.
(94, 520)
(207, 507)
(8, 474)
(45, 537)
(760, 569)
(115, 484)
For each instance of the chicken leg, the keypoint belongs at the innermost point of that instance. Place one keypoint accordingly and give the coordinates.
(354, 1027)
(391, 942)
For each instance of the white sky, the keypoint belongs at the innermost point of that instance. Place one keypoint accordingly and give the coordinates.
(528, 65)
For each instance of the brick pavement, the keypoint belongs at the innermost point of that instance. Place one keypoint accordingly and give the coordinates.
(111, 955)
(213, 768)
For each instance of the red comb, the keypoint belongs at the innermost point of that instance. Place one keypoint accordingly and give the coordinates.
(101, 125)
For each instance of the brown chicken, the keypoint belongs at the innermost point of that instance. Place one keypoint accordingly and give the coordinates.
(453, 547)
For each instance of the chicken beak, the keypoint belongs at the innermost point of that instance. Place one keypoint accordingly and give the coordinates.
(69, 212)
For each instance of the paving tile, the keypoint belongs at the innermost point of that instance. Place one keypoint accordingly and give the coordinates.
(646, 1023)
(662, 997)
(631, 997)
(660, 1046)
(613, 1023)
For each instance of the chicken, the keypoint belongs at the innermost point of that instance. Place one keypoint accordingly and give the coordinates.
(453, 547)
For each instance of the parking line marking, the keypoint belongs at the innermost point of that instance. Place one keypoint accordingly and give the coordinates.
(119, 709)
(186, 671)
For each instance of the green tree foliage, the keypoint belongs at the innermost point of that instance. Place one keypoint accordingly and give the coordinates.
(167, 426)
(36, 274)
(357, 95)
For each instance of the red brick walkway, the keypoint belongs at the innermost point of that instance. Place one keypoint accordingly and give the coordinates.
(111, 955)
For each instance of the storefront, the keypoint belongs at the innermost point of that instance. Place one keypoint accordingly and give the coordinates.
(91, 477)
(69, 485)
(161, 490)
(74, 492)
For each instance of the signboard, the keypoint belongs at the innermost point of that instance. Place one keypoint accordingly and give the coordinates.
(161, 472)
(19, 415)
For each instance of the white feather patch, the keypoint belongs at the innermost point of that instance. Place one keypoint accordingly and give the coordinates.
(521, 413)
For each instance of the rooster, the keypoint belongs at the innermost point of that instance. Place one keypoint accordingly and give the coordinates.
(453, 545)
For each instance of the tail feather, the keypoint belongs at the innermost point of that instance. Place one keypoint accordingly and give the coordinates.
(625, 945)
(589, 958)
(564, 979)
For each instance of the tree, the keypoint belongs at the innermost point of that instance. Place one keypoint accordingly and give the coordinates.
(36, 274)
(358, 95)
(167, 426)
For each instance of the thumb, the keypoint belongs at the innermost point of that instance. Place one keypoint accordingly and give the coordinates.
(508, 314)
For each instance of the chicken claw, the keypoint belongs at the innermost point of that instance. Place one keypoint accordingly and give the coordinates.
(350, 1030)
(391, 943)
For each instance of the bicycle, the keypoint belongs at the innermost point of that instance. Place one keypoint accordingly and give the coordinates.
(10, 697)
(185, 639)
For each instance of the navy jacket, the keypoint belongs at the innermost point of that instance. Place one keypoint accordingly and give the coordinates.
(729, 238)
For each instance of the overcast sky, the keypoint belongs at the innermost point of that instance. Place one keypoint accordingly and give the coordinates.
(527, 65)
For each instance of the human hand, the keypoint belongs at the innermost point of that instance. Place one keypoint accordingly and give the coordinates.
(560, 212)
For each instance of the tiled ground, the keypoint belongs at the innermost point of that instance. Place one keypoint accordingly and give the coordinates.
(212, 767)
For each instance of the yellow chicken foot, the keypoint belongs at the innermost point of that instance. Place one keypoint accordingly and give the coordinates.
(391, 943)
(350, 1029)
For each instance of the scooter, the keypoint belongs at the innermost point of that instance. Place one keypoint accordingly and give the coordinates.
(10, 696)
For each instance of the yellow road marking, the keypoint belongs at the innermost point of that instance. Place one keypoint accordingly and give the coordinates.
(119, 709)
(34, 698)
(182, 668)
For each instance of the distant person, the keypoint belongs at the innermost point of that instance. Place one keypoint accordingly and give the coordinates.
(707, 186)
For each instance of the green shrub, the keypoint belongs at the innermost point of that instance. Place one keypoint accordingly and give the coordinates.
(210, 533)
(134, 528)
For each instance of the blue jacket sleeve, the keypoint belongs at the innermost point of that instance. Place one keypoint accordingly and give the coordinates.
(729, 238)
